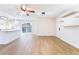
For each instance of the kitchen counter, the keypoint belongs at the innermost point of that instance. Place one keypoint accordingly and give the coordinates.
(8, 36)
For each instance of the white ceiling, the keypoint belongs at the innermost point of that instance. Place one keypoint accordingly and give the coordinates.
(52, 10)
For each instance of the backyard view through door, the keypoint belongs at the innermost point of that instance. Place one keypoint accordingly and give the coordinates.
(26, 28)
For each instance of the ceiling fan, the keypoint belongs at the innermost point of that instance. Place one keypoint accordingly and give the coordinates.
(26, 10)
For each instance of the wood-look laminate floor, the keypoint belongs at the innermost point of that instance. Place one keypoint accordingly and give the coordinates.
(38, 45)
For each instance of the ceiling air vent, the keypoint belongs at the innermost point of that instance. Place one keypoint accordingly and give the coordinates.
(43, 13)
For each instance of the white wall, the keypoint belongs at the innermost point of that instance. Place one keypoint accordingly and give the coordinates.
(70, 34)
(44, 27)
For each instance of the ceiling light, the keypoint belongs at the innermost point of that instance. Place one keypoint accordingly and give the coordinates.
(26, 11)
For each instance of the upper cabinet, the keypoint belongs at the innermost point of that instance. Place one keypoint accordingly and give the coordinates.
(9, 25)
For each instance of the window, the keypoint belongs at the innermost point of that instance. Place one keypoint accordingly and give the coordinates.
(26, 27)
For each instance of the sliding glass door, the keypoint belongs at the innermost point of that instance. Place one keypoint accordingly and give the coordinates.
(26, 28)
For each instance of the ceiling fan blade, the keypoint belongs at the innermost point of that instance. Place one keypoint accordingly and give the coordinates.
(23, 8)
(32, 11)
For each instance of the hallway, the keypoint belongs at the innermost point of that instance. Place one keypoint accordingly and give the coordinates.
(38, 45)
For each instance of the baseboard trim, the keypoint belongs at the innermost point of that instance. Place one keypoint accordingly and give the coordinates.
(67, 42)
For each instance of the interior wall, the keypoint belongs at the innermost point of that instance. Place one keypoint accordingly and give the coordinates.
(68, 34)
(44, 27)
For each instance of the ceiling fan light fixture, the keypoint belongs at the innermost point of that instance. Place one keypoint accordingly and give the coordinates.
(27, 14)
(24, 8)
